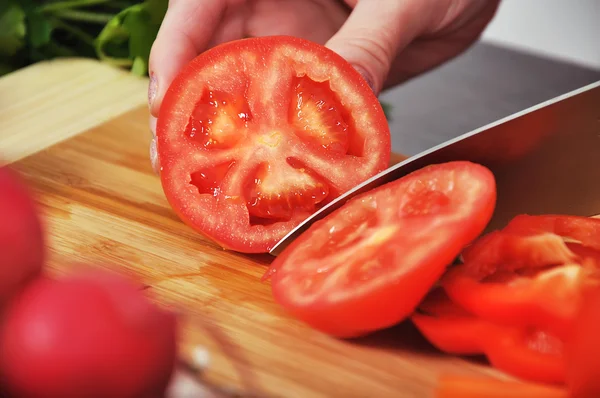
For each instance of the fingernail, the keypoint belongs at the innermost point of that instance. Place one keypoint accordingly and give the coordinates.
(365, 76)
(152, 123)
(152, 89)
(154, 156)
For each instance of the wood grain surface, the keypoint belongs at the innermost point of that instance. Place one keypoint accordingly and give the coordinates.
(104, 206)
(54, 100)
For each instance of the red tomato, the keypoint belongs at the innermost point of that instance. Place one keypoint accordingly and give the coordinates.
(22, 249)
(88, 335)
(368, 264)
(255, 135)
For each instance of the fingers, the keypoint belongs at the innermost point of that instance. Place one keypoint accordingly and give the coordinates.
(153, 153)
(186, 30)
(377, 30)
(374, 32)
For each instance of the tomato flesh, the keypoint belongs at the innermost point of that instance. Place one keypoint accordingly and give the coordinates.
(255, 135)
(368, 264)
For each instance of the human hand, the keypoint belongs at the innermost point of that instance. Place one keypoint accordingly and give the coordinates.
(387, 41)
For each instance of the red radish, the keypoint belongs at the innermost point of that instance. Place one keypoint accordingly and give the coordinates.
(93, 334)
(21, 236)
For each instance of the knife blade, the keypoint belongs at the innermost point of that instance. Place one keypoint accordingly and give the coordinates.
(546, 159)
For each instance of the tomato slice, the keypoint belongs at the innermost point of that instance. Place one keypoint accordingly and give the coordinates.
(255, 135)
(526, 280)
(582, 349)
(586, 230)
(367, 265)
(528, 353)
(452, 386)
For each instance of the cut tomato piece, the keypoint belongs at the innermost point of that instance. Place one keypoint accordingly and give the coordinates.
(525, 280)
(367, 265)
(255, 135)
(527, 353)
(484, 387)
(582, 349)
(585, 230)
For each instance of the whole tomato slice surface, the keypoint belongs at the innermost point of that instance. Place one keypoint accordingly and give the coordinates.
(255, 135)
(367, 265)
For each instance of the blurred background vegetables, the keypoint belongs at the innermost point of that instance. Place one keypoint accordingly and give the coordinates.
(118, 32)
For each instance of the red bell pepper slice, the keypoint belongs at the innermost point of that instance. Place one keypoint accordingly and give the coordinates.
(483, 387)
(527, 353)
(582, 349)
(516, 250)
(583, 229)
(523, 280)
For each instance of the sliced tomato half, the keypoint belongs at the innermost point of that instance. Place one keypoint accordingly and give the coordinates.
(528, 353)
(367, 265)
(254, 135)
(525, 280)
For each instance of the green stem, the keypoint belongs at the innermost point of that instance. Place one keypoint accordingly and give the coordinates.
(84, 16)
(68, 4)
(83, 36)
(119, 5)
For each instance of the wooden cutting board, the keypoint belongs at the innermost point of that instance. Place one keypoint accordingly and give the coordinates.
(78, 131)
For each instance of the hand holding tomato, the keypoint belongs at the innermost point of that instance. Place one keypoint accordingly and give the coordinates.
(379, 38)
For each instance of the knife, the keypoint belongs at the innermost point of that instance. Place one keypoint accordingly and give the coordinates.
(546, 159)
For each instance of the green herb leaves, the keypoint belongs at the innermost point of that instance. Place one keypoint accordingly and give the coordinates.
(127, 39)
(119, 32)
(12, 28)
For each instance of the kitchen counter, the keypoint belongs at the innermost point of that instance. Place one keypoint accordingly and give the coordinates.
(53, 102)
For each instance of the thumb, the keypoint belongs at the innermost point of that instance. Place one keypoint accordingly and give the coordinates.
(374, 33)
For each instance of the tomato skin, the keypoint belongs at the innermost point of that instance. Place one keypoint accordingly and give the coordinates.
(92, 334)
(224, 213)
(22, 250)
(407, 232)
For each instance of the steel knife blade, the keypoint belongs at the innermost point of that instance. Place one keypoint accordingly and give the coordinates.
(546, 159)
